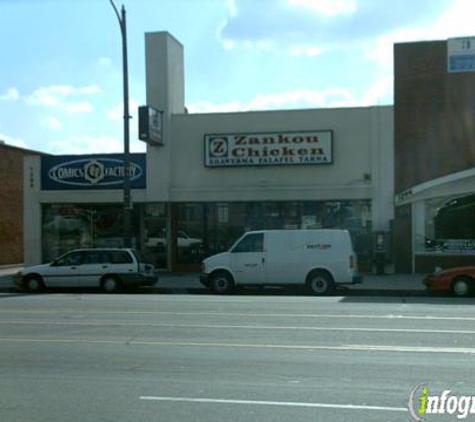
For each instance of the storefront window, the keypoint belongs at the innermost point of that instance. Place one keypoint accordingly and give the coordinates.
(192, 233)
(204, 229)
(69, 226)
(450, 225)
(154, 236)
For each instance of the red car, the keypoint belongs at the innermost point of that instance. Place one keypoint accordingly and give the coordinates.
(460, 281)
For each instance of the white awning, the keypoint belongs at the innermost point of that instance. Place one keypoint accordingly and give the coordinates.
(460, 183)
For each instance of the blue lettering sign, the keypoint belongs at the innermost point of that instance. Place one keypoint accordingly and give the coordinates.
(67, 172)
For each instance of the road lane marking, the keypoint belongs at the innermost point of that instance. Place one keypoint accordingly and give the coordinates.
(309, 347)
(104, 323)
(173, 299)
(274, 403)
(238, 314)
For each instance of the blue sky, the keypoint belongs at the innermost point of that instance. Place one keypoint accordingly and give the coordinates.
(61, 74)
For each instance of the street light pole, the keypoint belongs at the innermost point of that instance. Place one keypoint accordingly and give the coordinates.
(127, 197)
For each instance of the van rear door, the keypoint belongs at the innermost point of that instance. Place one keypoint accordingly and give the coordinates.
(248, 259)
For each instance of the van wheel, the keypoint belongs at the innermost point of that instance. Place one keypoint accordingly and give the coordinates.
(110, 284)
(34, 284)
(222, 283)
(319, 283)
(462, 286)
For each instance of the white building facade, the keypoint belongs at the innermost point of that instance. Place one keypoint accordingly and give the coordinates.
(216, 176)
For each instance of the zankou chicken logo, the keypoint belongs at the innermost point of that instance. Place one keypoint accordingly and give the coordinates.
(218, 147)
(268, 149)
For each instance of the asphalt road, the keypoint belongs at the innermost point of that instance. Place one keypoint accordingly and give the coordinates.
(176, 358)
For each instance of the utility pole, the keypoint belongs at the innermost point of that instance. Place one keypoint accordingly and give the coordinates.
(127, 196)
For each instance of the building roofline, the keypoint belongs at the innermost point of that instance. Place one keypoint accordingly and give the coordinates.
(163, 34)
(293, 110)
(420, 42)
(33, 152)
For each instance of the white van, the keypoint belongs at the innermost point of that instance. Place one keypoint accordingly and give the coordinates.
(319, 259)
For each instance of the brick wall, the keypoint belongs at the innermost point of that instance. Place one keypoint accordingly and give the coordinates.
(434, 115)
(11, 204)
(434, 124)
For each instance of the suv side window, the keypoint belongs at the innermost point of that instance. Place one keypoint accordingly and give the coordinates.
(120, 257)
(251, 243)
(95, 257)
(72, 258)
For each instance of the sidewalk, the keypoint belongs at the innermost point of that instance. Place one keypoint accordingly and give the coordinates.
(371, 282)
(403, 282)
(6, 273)
(189, 282)
(10, 269)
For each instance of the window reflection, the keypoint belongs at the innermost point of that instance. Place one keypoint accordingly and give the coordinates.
(154, 235)
(449, 225)
(70, 226)
(215, 227)
(198, 230)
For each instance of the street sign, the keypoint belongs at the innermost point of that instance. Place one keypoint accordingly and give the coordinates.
(461, 54)
(150, 125)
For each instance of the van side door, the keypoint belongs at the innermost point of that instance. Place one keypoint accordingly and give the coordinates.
(281, 259)
(248, 259)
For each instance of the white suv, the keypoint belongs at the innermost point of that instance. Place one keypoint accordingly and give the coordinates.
(110, 269)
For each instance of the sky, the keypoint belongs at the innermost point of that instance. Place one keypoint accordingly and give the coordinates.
(61, 60)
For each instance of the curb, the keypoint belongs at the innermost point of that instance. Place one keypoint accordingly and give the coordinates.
(388, 285)
(11, 266)
(342, 291)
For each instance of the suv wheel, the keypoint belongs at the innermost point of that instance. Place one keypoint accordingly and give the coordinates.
(34, 284)
(110, 284)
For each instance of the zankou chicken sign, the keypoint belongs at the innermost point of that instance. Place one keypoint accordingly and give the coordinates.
(269, 149)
